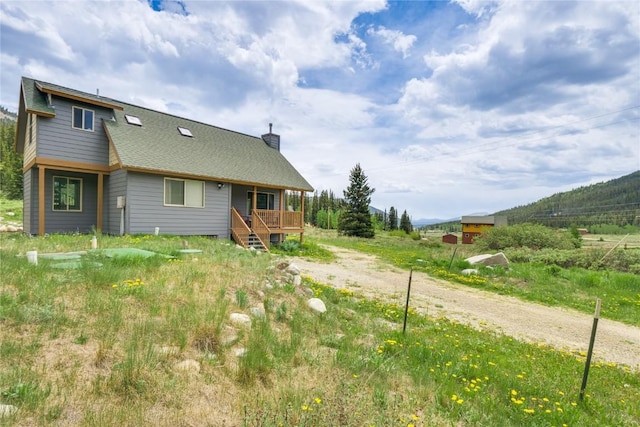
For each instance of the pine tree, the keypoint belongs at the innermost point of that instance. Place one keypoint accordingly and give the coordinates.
(356, 219)
(10, 162)
(405, 223)
(393, 219)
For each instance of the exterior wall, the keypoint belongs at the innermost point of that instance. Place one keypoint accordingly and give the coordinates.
(473, 226)
(450, 238)
(115, 185)
(471, 231)
(239, 197)
(59, 140)
(145, 209)
(31, 137)
(71, 222)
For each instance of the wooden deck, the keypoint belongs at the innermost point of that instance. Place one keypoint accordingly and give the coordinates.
(262, 224)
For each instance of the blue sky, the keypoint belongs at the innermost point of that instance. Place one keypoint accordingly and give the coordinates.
(451, 108)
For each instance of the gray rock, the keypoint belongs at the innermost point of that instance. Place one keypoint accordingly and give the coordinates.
(297, 280)
(240, 319)
(188, 365)
(317, 305)
(293, 269)
(488, 259)
(257, 312)
(6, 410)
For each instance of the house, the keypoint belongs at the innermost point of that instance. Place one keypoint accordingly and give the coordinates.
(94, 163)
(473, 226)
(450, 238)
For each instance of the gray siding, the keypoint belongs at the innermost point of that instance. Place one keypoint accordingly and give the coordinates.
(239, 197)
(71, 222)
(146, 210)
(58, 139)
(28, 201)
(116, 185)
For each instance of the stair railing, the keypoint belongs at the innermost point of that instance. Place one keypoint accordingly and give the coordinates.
(261, 230)
(240, 231)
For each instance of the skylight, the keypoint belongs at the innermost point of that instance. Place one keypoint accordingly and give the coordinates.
(185, 132)
(132, 120)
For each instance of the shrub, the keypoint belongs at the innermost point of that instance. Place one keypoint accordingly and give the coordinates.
(532, 236)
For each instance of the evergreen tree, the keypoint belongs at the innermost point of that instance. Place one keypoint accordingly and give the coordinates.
(405, 223)
(315, 207)
(393, 219)
(10, 162)
(356, 219)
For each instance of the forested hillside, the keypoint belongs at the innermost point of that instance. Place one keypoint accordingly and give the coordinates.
(10, 161)
(615, 202)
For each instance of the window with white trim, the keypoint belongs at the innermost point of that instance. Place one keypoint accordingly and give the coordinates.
(82, 118)
(67, 194)
(183, 192)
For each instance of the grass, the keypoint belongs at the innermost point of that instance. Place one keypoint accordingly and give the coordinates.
(548, 284)
(149, 341)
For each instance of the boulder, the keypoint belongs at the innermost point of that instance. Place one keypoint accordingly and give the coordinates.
(317, 305)
(240, 319)
(488, 259)
(293, 270)
(6, 410)
(188, 365)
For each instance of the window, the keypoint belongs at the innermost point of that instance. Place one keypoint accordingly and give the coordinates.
(133, 120)
(183, 192)
(264, 201)
(82, 119)
(67, 194)
(185, 132)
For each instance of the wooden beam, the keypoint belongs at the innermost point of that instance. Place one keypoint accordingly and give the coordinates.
(302, 210)
(41, 199)
(100, 203)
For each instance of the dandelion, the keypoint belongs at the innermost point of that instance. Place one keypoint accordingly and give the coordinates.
(318, 400)
(529, 411)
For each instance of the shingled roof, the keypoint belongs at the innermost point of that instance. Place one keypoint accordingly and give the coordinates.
(157, 146)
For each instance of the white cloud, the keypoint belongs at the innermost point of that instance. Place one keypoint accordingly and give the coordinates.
(491, 104)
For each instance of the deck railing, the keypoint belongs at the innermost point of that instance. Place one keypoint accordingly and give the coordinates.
(290, 220)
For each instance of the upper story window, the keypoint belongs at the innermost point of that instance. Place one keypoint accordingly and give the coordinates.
(67, 194)
(82, 119)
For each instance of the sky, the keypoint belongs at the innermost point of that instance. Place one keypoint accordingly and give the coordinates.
(450, 108)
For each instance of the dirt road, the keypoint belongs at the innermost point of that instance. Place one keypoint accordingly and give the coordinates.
(561, 328)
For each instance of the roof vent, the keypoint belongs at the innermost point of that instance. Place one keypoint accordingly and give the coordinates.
(271, 139)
